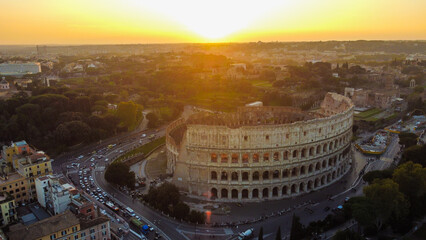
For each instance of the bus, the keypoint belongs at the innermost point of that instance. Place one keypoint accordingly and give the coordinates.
(112, 206)
(130, 211)
(140, 225)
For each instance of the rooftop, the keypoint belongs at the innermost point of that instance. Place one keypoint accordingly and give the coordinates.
(44, 227)
(5, 197)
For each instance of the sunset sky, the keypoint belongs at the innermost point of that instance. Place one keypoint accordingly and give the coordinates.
(172, 21)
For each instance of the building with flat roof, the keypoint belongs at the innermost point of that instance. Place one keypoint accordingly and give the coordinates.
(53, 194)
(4, 85)
(19, 69)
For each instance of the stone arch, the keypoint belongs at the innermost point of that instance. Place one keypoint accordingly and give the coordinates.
(330, 147)
(285, 155)
(328, 178)
(275, 192)
(302, 170)
(317, 166)
(234, 176)
(255, 193)
(284, 190)
(311, 151)
(285, 173)
(245, 176)
(224, 193)
(310, 185)
(213, 193)
(266, 157)
(318, 149)
(302, 187)
(336, 143)
(303, 154)
(295, 153)
(256, 157)
(311, 168)
(224, 176)
(256, 176)
(213, 175)
(338, 172)
(293, 188)
(276, 156)
(244, 193)
(213, 157)
(324, 164)
(234, 193)
(245, 158)
(223, 158)
(234, 158)
(265, 175)
(333, 175)
(317, 183)
(330, 162)
(294, 172)
(265, 193)
(324, 149)
(276, 174)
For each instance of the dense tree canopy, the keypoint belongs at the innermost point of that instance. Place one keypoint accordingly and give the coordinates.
(120, 174)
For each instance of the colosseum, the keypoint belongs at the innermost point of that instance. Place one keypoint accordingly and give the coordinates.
(261, 152)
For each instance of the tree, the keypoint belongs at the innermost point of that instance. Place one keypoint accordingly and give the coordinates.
(152, 120)
(260, 237)
(297, 230)
(181, 210)
(347, 235)
(362, 210)
(416, 154)
(128, 113)
(407, 139)
(377, 174)
(278, 235)
(387, 200)
(120, 174)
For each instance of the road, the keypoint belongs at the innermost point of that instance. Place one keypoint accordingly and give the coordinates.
(171, 229)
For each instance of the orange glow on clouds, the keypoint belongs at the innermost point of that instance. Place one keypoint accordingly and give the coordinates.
(168, 21)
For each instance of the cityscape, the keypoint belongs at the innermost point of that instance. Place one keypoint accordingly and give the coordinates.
(234, 120)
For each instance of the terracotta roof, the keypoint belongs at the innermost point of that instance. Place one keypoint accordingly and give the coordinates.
(44, 227)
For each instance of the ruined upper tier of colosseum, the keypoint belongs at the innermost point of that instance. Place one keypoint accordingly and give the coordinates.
(261, 152)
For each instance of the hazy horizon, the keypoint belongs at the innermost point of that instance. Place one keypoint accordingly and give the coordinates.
(79, 22)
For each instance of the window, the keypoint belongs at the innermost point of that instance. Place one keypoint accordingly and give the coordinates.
(267, 137)
(93, 237)
(245, 138)
(75, 237)
(92, 230)
(64, 232)
(287, 136)
(103, 226)
(74, 229)
(53, 236)
(88, 210)
(103, 233)
(22, 188)
(83, 234)
(304, 133)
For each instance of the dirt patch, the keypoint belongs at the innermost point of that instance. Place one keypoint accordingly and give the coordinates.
(157, 164)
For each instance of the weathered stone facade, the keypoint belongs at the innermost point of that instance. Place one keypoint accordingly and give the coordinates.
(261, 152)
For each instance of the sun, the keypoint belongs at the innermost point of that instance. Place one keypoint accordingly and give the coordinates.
(212, 20)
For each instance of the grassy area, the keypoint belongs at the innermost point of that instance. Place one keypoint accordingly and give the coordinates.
(260, 83)
(145, 149)
(368, 113)
(224, 101)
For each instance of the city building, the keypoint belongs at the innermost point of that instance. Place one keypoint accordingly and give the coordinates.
(52, 194)
(4, 85)
(19, 69)
(20, 165)
(7, 209)
(63, 226)
(261, 152)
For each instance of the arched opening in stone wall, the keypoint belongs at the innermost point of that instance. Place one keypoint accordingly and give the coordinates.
(223, 158)
(213, 193)
(265, 193)
(302, 187)
(311, 168)
(284, 190)
(328, 178)
(330, 162)
(234, 158)
(336, 143)
(255, 157)
(318, 149)
(309, 185)
(333, 176)
(317, 182)
(322, 180)
(275, 192)
(303, 153)
(265, 175)
(245, 176)
(224, 176)
(234, 176)
(276, 156)
(295, 153)
(244, 194)
(266, 157)
(311, 151)
(256, 176)
(285, 155)
(224, 193)
(245, 158)
(302, 170)
(294, 172)
(285, 173)
(338, 172)
(213, 175)
(276, 174)
(318, 166)
(324, 164)
(324, 149)
(330, 147)
(255, 193)
(293, 188)
(214, 157)
(234, 193)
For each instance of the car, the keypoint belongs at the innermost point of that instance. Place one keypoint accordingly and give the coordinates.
(143, 135)
(106, 159)
(121, 151)
(92, 159)
(92, 165)
(100, 156)
(347, 199)
(81, 156)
